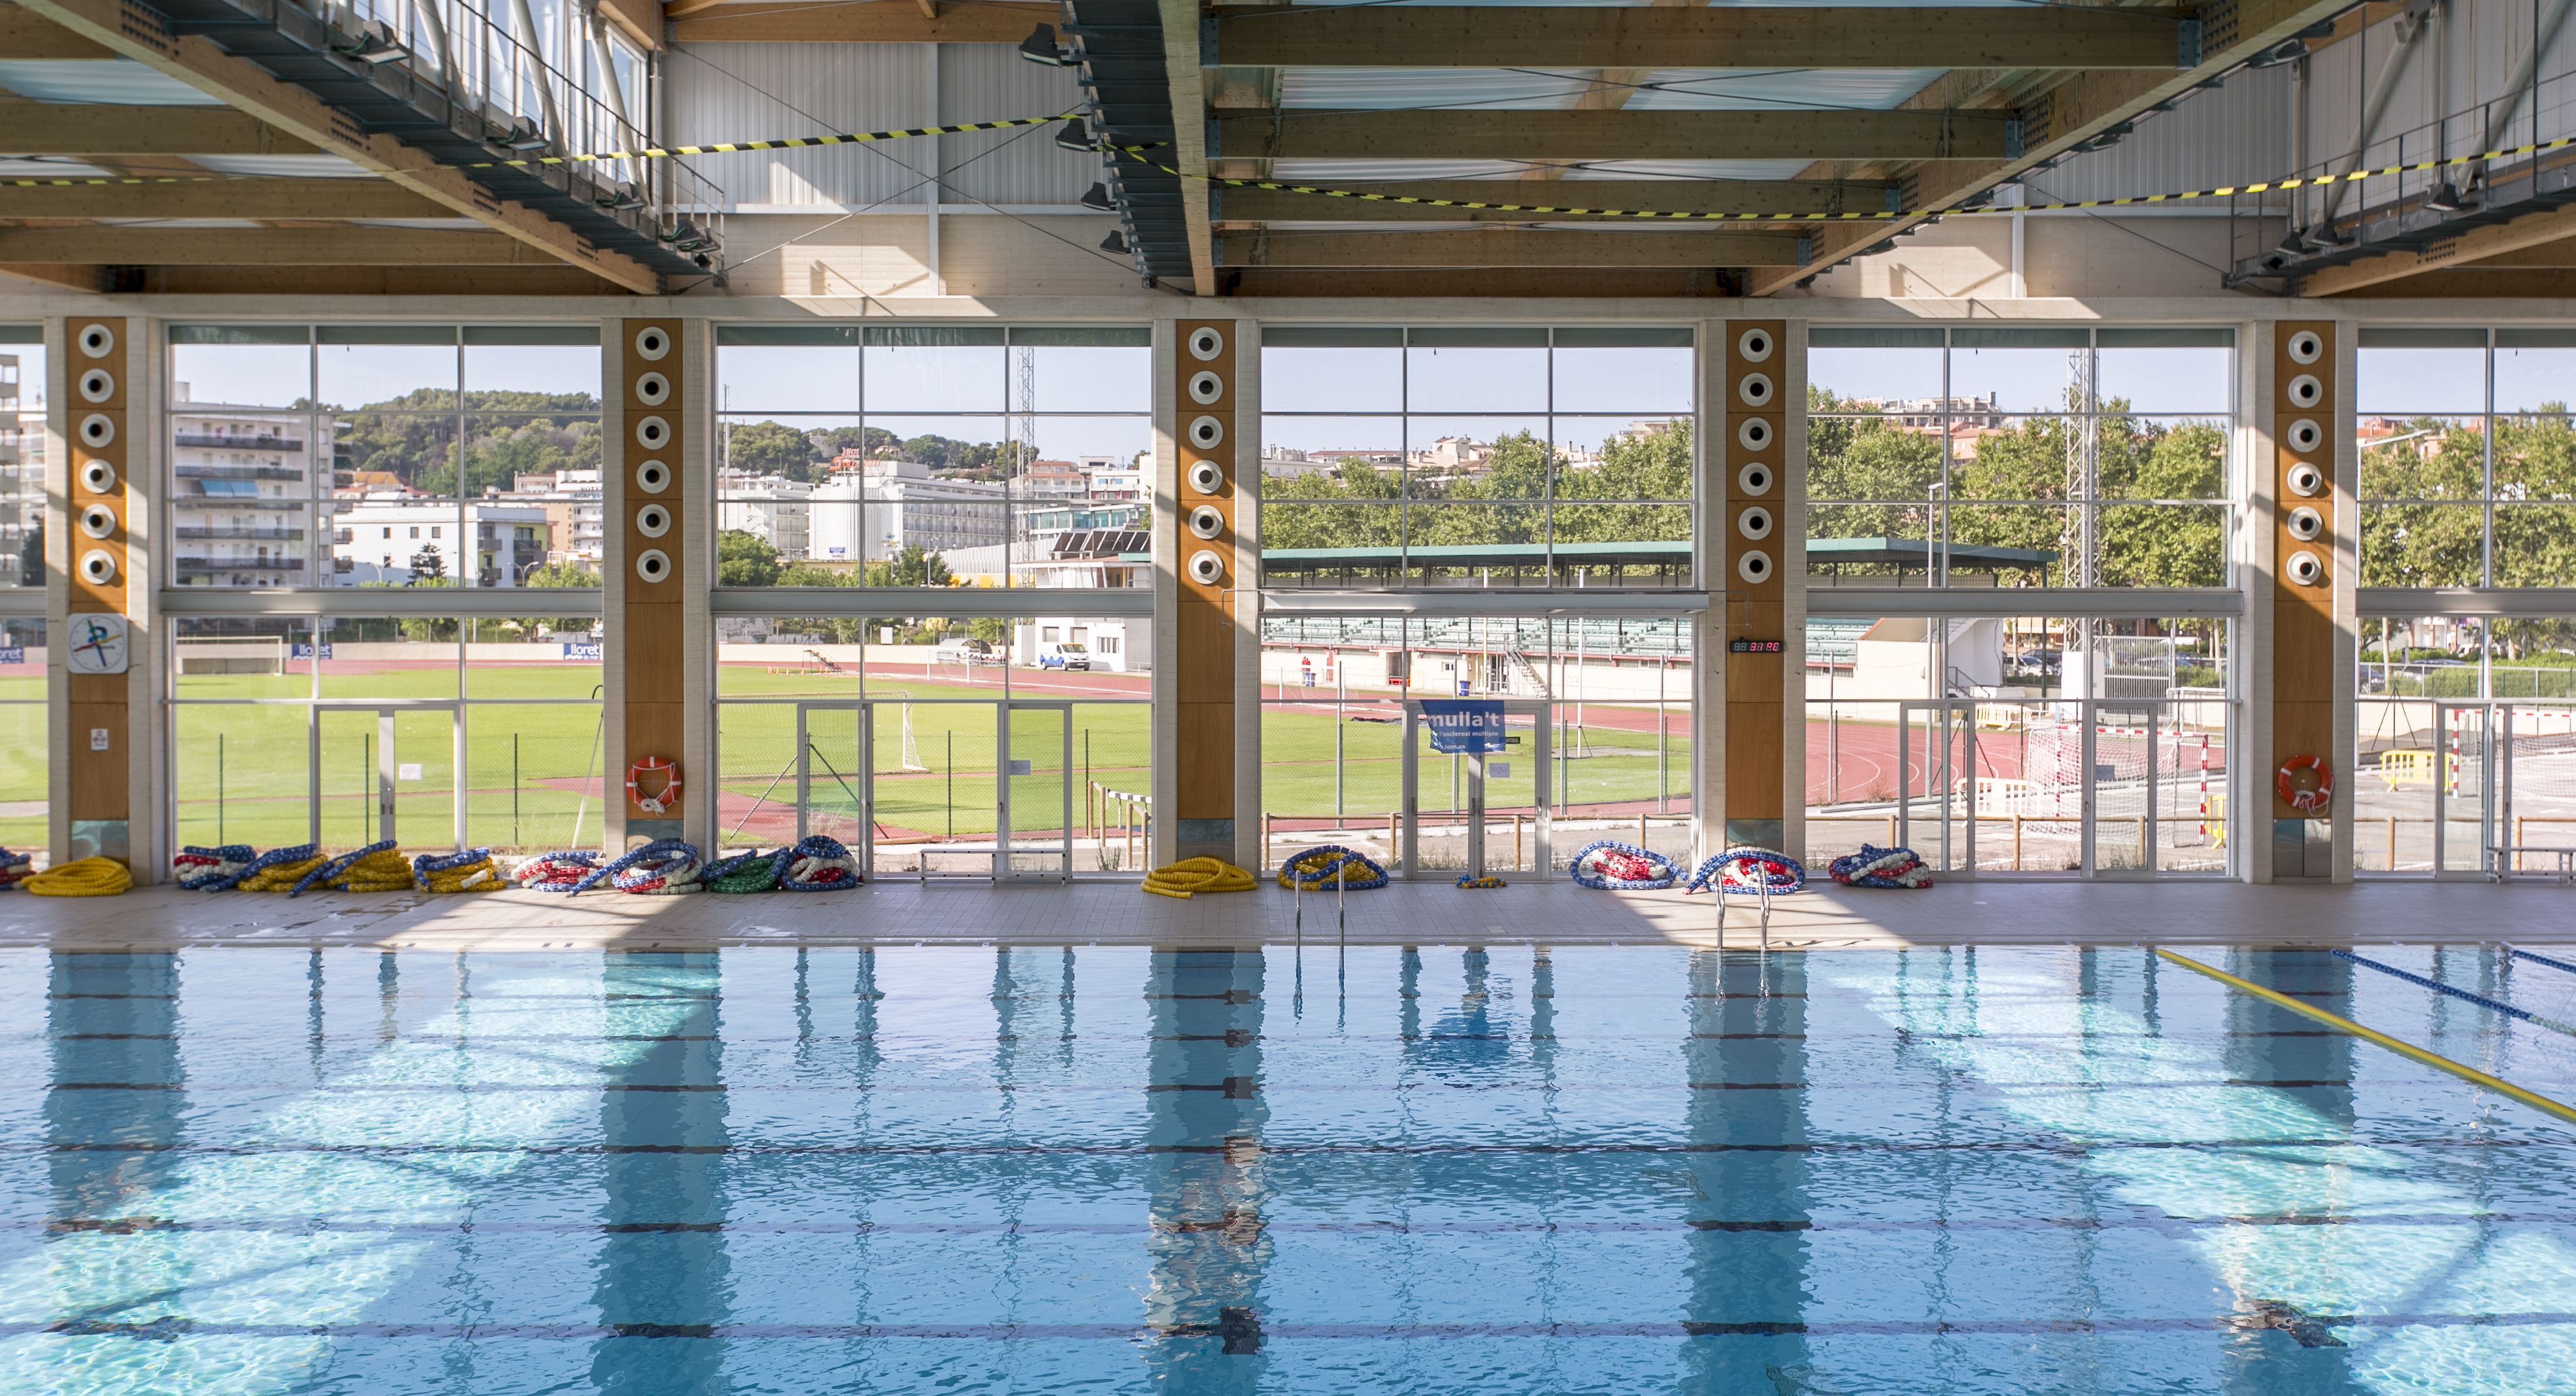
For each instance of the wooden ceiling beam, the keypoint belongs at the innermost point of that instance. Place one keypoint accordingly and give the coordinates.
(866, 22)
(1609, 135)
(1656, 195)
(66, 128)
(348, 247)
(2063, 111)
(1509, 248)
(549, 280)
(1559, 37)
(199, 61)
(316, 199)
(26, 35)
(1521, 283)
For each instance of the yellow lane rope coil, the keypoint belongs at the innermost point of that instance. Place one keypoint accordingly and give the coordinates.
(2408, 1050)
(87, 877)
(1191, 876)
(280, 877)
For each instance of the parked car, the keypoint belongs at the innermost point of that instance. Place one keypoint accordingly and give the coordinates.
(1064, 656)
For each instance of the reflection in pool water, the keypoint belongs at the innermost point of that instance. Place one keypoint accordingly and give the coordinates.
(1444, 1169)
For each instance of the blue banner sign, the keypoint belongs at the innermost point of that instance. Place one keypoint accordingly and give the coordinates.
(1464, 725)
(13, 654)
(586, 650)
(306, 651)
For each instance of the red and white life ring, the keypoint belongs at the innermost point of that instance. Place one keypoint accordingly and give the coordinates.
(2308, 800)
(663, 801)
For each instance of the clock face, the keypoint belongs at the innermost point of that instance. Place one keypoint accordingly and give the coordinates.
(98, 644)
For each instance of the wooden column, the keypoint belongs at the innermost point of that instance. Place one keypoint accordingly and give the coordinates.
(648, 512)
(2307, 395)
(96, 640)
(1206, 434)
(1751, 556)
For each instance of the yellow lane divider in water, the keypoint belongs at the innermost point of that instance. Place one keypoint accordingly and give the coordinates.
(1191, 876)
(2407, 1050)
(86, 877)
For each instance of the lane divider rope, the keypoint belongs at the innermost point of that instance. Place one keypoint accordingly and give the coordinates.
(2439, 987)
(86, 877)
(2407, 1050)
(2521, 954)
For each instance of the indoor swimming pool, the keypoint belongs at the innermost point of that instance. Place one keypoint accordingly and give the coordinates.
(1611, 1169)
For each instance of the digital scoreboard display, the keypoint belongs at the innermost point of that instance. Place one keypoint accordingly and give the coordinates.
(1752, 647)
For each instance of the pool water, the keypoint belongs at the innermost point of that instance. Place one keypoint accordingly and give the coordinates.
(1612, 1169)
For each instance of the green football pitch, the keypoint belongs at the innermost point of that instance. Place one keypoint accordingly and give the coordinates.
(246, 773)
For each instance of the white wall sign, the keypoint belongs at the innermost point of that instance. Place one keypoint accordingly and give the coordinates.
(98, 739)
(408, 770)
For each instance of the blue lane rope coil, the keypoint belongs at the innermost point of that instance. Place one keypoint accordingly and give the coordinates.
(337, 870)
(671, 872)
(1873, 866)
(1470, 882)
(2480, 1000)
(15, 868)
(817, 864)
(1748, 871)
(1331, 865)
(655, 852)
(556, 872)
(1612, 866)
(218, 869)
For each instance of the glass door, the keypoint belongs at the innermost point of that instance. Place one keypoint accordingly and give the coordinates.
(1034, 834)
(832, 775)
(385, 773)
(1936, 758)
(1472, 811)
(2466, 809)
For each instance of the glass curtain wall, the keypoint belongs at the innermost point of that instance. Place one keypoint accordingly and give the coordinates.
(1613, 693)
(977, 455)
(2085, 746)
(2464, 744)
(914, 737)
(1999, 457)
(289, 729)
(26, 754)
(22, 456)
(1456, 456)
(2468, 461)
(384, 456)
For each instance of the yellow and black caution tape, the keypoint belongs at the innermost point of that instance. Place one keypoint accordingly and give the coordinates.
(86, 877)
(1191, 876)
(2408, 1050)
(654, 152)
(658, 152)
(1875, 215)
(2222, 191)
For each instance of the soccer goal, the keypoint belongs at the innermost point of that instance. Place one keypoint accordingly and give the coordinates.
(911, 745)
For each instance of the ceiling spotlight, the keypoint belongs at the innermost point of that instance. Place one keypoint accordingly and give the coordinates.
(2278, 54)
(1116, 245)
(1040, 47)
(1073, 135)
(522, 135)
(375, 43)
(618, 198)
(1096, 198)
(2323, 238)
(2446, 198)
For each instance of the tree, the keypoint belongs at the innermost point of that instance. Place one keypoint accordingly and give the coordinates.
(570, 576)
(428, 567)
(768, 448)
(910, 568)
(745, 559)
